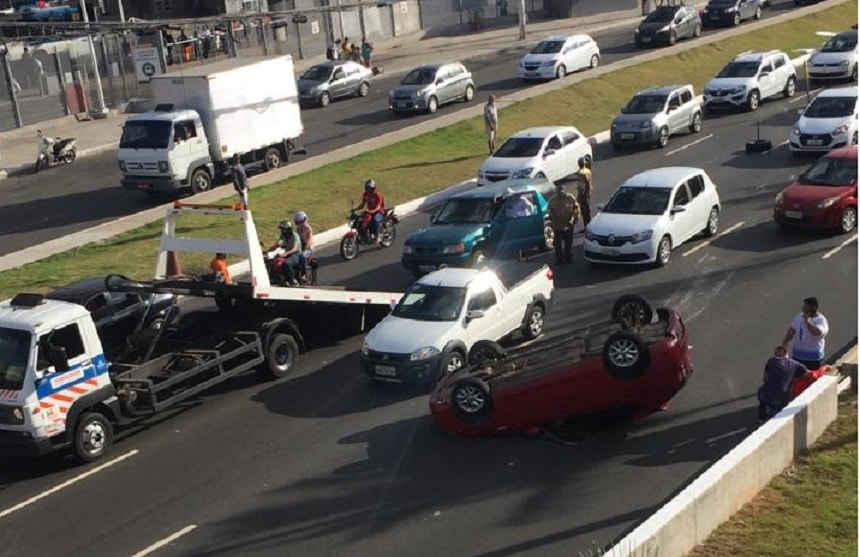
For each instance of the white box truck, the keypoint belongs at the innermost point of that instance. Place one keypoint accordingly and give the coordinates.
(205, 116)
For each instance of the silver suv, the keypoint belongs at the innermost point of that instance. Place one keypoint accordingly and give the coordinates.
(428, 87)
(654, 114)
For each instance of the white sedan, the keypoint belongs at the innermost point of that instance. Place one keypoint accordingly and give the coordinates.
(550, 152)
(652, 213)
(559, 55)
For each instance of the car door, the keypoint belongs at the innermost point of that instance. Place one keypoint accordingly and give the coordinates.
(676, 117)
(699, 205)
(766, 78)
(553, 157)
(457, 75)
(688, 106)
(68, 337)
(489, 327)
(680, 216)
(514, 229)
(576, 58)
(338, 85)
(570, 153)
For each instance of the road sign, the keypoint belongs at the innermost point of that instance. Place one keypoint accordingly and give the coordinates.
(146, 63)
(300, 18)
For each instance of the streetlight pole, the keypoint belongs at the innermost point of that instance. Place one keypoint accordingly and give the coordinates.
(522, 20)
(100, 111)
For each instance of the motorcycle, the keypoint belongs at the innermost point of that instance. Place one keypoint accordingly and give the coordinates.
(359, 232)
(275, 262)
(55, 151)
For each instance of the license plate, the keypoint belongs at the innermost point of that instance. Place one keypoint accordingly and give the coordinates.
(532, 74)
(386, 371)
(793, 215)
(611, 251)
(815, 142)
(626, 136)
(715, 18)
(645, 39)
(143, 186)
(401, 105)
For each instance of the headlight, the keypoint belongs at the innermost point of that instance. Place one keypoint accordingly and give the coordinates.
(825, 203)
(407, 249)
(548, 64)
(456, 248)
(844, 63)
(365, 349)
(424, 353)
(641, 236)
(778, 199)
(663, 29)
(739, 89)
(122, 166)
(732, 9)
(163, 166)
(589, 235)
(646, 124)
(523, 172)
(636, 31)
(480, 173)
(840, 130)
(795, 130)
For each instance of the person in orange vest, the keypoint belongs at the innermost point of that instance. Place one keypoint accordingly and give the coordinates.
(218, 265)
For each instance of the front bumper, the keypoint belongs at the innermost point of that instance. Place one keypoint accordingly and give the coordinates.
(427, 263)
(816, 143)
(624, 254)
(832, 72)
(19, 444)
(808, 216)
(541, 72)
(661, 38)
(398, 368)
(151, 183)
(416, 104)
(637, 136)
(724, 101)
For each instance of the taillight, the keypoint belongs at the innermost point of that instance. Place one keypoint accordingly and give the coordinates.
(549, 274)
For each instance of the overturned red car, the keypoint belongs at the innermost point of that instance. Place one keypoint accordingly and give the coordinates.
(633, 363)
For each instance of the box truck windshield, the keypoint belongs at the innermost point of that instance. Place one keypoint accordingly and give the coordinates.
(14, 353)
(145, 134)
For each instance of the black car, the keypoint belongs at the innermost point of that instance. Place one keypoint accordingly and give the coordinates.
(730, 12)
(667, 24)
(117, 315)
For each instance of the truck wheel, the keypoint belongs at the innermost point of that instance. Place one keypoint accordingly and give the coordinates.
(626, 355)
(486, 351)
(471, 401)
(630, 310)
(281, 356)
(534, 322)
(93, 436)
(272, 158)
(200, 181)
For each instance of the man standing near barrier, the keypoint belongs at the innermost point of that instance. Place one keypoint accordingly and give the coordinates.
(808, 331)
(491, 122)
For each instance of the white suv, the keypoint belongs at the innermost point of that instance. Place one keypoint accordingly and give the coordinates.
(749, 78)
(559, 55)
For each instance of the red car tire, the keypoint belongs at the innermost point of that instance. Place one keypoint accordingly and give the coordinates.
(486, 351)
(626, 355)
(471, 401)
(630, 310)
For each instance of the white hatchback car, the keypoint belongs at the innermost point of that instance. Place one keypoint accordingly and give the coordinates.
(836, 59)
(749, 78)
(551, 152)
(652, 213)
(829, 122)
(557, 56)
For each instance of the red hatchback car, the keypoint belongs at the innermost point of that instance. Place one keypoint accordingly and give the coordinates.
(825, 196)
(633, 364)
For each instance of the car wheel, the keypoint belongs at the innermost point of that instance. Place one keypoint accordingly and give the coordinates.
(664, 251)
(363, 89)
(758, 13)
(93, 436)
(432, 105)
(736, 20)
(548, 237)
(790, 87)
(272, 158)
(485, 352)
(631, 310)
(697, 31)
(281, 356)
(349, 248)
(713, 224)
(471, 401)
(673, 38)
(325, 98)
(560, 72)
(662, 137)
(595, 61)
(848, 222)
(626, 355)
(453, 361)
(854, 139)
(540, 175)
(753, 100)
(534, 322)
(854, 74)
(200, 181)
(469, 94)
(477, 259)
(696, 124)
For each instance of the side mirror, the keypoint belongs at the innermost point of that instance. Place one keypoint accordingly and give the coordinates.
(474, 314)
(800, 111)
(671, 109)
(548, 153)
(678, 209)
(601, 206)
(623, 110)
(486, 231)
(59, 359)
(763, 74)
(440, 81)
(433, 219)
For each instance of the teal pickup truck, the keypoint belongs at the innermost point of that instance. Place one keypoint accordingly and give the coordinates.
(500, 221)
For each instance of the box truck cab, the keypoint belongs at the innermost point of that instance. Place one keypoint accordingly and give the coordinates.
(205, 116)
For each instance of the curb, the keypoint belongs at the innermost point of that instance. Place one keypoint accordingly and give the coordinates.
(28, 167)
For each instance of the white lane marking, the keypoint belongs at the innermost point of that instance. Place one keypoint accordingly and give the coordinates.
(688, 145)
(708, 242)
(835, 250)
(67, 483)
(802, 97)
(161, 543)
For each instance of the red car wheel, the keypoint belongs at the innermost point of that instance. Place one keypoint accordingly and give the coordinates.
(626, 355)
(471, 400)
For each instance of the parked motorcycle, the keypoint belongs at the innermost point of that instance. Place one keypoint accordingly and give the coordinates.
(359, 232)
(275, 262)
(55, 151)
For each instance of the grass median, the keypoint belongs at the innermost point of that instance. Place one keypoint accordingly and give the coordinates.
(810, 509)
(424, 164)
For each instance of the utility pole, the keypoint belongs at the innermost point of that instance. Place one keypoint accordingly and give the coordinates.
(522, 20)
(100, 110)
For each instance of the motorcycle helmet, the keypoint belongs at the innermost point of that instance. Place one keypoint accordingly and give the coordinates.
(285, 225)
(300, 218)
(370, 186)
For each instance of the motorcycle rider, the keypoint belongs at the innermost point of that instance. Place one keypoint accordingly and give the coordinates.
(306, 235)
(373, 203)
(290, 244)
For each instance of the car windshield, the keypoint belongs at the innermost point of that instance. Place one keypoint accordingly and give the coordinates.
(645, 104)
(465, 211)
(830, 107)
(639, 201)
(739, 69)
(143, 134)
(424, 302)
(318, 73)
(520, 147)
(660, 15)
(830, 172)
(14, 355)
(840, 43)
(548, 47)
(419, 76)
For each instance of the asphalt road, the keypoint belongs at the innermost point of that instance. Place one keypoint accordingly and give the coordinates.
(61, 201)
(325, 464)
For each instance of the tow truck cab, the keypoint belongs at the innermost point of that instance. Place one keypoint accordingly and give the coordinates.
(52, 372)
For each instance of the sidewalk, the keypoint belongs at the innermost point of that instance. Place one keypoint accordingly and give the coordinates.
(397, 55)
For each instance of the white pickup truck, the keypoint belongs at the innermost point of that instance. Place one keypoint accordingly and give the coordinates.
(439, 318)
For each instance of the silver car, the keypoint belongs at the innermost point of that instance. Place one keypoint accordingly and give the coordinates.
(654, 114)
(333, 80)
(428, 87)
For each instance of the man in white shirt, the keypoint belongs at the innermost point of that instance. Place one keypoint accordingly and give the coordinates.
(491, 122)
(808, 331)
